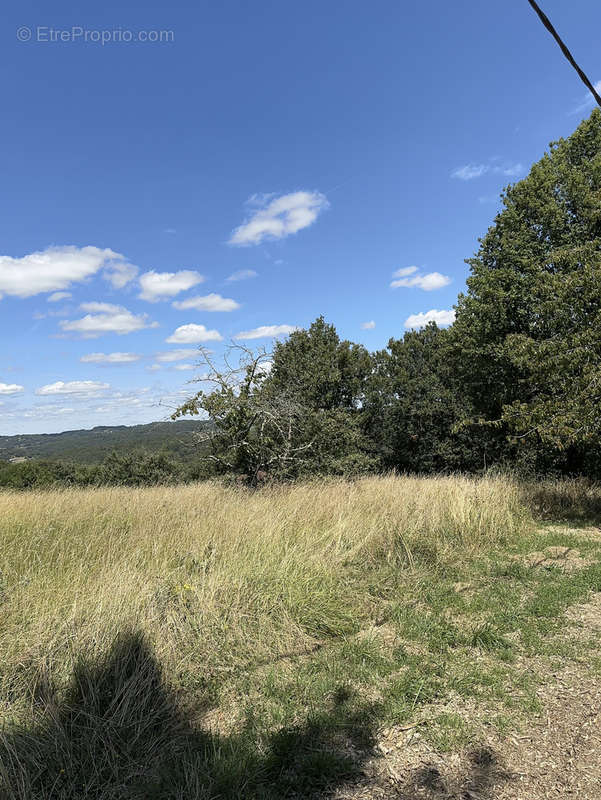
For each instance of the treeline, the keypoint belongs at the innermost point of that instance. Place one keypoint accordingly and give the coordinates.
(514, 383)
(132, 469)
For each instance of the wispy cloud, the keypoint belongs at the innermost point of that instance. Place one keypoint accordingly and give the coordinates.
(165, 285)
(107, 318)
(587, 101)
(210, 302)
(267, 331)
(279, 217)
(441, 318)
(46, 410)
(110, 358)
(73, 387)
(469, 172)
(368, 326)
(193, 334)
(176, 355)
(242, 275)
(510, 170)
(56, 297)
(411, 277)
(120, 273)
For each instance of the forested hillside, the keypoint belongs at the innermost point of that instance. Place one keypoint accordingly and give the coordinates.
(93, 446)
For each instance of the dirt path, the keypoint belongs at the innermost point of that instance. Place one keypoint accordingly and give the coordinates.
(558, 756)
(562, 755)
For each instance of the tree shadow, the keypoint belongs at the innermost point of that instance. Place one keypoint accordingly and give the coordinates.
(478, 780)
(118, 732)
(570, 500)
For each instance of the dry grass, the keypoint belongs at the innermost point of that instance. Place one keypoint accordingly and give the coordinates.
(567, 499)
(217, 578)
(126, 614)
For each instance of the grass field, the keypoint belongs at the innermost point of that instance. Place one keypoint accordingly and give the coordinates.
(209, 642)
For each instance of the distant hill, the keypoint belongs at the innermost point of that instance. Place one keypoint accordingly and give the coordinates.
(92, 446)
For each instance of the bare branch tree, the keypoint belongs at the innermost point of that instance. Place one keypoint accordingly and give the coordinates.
(253, 432)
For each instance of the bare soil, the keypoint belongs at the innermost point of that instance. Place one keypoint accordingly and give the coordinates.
(565, 558)
(557, 756)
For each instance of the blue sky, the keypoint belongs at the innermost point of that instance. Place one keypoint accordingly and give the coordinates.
(265, 163)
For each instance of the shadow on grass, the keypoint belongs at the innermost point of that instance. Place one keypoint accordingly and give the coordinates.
(118, 732)
(573, 500)
(482, 774)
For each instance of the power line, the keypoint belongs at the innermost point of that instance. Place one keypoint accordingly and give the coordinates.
(548, 25)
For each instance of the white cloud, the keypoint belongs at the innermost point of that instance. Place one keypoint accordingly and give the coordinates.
(154, 367)
(165, 285)
(184, 366)
(107, 318)
(110, 358)
(428, 282)
(56, 297)
(119, 274)
(265, 331)
(193, 334)
(264, 367)
(280, 217)
(242, 275)
(73, 387)
(441, 318)
(53, 269)
(470, 171)
(177, 355)
(368, 326)
(11, 388)
(210, 302)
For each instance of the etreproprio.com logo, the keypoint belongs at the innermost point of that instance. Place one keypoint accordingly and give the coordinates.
(77, 33)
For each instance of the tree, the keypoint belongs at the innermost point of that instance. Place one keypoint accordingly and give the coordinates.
(326, 377)
(527, 336)
(322, 371)
(294, 412)
(414, 403)
(252, 432)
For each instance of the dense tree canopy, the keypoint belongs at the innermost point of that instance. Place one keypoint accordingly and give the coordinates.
(528, 330)
(323, 372)
(414, 405)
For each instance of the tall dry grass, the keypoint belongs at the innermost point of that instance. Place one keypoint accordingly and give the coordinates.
(220, 579)
(576, 499)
